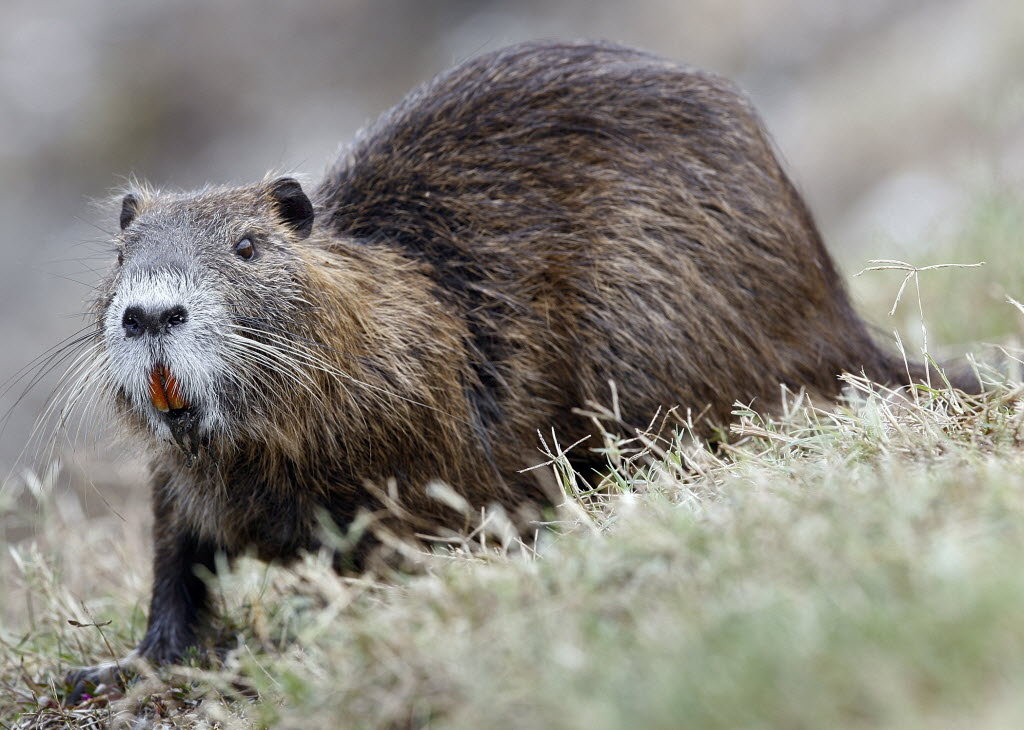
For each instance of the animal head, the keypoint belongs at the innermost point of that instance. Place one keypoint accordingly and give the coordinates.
(200, 319)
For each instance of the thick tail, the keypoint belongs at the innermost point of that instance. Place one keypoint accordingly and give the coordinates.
(959, 375)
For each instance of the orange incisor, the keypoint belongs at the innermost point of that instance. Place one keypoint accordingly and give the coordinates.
(164, 390)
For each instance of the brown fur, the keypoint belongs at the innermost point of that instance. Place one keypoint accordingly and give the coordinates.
(514, 235)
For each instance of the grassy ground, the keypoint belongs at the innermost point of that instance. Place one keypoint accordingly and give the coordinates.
(855, 566)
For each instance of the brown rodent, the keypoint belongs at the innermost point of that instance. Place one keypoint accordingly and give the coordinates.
(482, 261)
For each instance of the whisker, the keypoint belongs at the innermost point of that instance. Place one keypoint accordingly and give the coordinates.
(64, 399)
(41, 367)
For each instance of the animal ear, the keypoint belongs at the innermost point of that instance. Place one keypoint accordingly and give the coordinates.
(292, 205)
(129, 209)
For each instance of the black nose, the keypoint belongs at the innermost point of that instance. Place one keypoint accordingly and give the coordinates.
(139, 320)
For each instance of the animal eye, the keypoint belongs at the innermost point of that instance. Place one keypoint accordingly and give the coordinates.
(245, 249)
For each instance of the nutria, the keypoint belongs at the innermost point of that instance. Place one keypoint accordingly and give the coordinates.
(483, 261)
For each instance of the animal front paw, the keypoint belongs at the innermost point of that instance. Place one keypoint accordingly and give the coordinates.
(87, 682)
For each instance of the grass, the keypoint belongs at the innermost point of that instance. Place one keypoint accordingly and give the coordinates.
(849, 566)
(965, 306)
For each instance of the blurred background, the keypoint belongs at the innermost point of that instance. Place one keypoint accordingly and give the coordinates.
(902, 121)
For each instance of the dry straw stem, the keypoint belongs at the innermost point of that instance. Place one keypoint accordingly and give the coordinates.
(913, 274)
